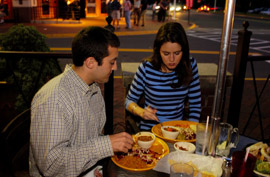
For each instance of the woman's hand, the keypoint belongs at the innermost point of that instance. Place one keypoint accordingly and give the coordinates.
(150, 114)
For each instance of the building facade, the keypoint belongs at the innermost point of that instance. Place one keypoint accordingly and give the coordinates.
(28, 10)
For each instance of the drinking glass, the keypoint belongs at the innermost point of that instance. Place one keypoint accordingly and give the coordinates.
(228, 138)
(181, 170)
(240, 167)
(202, 137)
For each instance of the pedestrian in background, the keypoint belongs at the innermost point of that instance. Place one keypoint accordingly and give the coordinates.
(109, 8)
(2, 13)
(127, 9)
(154, 10)
(144, 6)
(115, 6)
(137, 12)
(162, 10)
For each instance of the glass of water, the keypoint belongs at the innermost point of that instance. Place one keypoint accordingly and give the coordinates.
(202, 136)
(181, 170)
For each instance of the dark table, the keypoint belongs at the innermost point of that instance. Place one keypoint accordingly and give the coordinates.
(112, 170)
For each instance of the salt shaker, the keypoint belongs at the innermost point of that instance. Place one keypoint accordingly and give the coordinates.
(227, 167)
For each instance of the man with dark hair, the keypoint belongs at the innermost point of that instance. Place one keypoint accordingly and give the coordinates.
(68, 113)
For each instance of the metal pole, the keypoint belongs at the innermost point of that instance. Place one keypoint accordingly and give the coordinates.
(188, 16)
(223, 57)
(221, 75)
(215, 5)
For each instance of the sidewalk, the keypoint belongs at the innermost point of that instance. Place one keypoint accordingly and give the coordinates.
(68, 28)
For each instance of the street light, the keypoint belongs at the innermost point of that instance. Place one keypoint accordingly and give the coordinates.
(174, 3)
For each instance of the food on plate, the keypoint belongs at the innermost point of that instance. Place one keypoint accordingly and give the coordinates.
(263, 167)
(170, 129)
(186, 132)
(157, 148)
(140, 158)
(126, 161)
(169, 132)
(203, 172)
(256, 148)
(208, 166)
(184, 147)
(262, 152)
(265, 152)
(145, 139)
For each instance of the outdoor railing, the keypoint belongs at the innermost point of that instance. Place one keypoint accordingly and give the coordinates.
(108, 87)
(258, 95)
(240, 66)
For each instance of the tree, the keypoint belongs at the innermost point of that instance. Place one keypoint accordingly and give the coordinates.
(26, 70)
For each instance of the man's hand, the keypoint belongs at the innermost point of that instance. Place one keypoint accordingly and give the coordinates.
(121, 142)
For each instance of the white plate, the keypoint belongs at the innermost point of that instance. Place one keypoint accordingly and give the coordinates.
(260, 174)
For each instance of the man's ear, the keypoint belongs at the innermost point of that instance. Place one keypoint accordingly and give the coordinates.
(90, 62)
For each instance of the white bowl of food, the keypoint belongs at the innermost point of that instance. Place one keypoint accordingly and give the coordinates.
(170, 132)
(145, 139)
(184, 147)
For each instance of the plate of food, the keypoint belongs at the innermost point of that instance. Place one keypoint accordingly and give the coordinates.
(204, 166)
(263, 174)
(187, 130)
(262, 152)
(139, 159)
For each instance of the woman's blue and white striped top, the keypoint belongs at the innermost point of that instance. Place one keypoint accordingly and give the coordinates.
(158, 93)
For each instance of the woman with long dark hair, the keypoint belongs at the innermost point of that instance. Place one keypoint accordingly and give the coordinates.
(167, 79)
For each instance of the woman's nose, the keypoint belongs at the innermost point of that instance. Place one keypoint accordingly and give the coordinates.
(172, 57)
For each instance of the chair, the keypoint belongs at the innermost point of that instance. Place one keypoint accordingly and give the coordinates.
(15, 140)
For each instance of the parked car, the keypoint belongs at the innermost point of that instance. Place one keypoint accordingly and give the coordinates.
(206, 8)
(265, 11)
(177, 8)
(256, 10)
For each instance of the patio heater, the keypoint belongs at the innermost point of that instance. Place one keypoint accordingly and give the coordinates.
(221, 74)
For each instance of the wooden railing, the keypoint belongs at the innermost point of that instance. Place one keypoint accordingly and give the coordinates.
(241, 61)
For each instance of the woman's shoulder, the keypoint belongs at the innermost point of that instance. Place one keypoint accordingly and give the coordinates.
(146, 63)
(193, 61)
